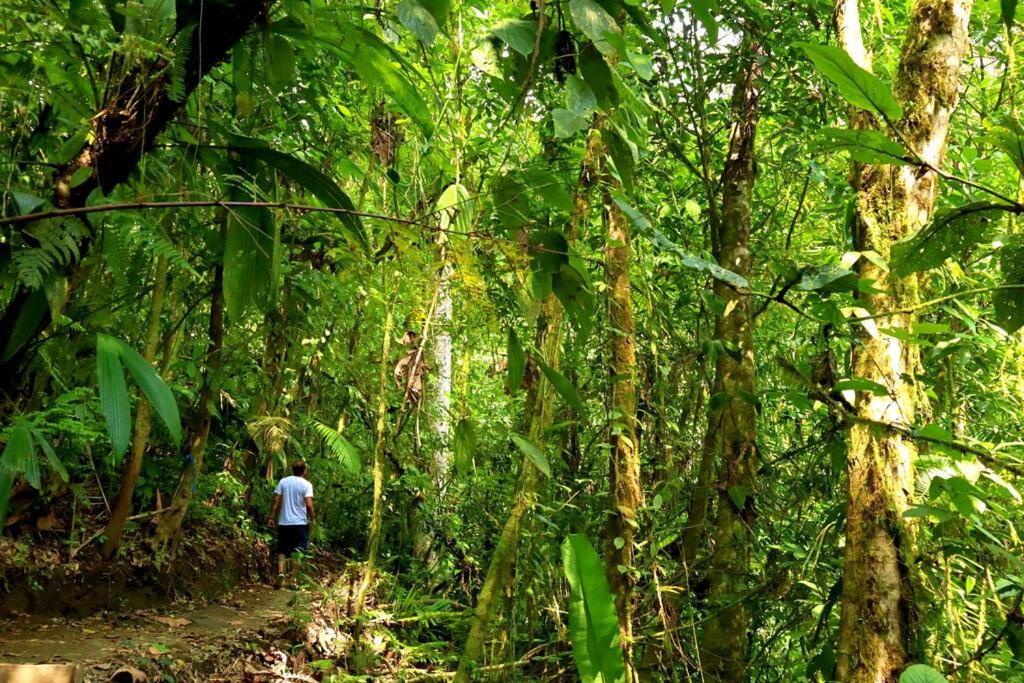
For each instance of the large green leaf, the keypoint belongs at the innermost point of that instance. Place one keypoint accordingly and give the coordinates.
(696, 263)
(26, 324)
(278, 61)
(153, 387)
(593, 623)
(1009, 137)
(921, 673)
(535, 454)
(865, 146)
(309, 177)
(517, 34)
(951, 233)
(248, 258)
(1009, 303)
(113, 393)
(417, 19)
(563, 386)
(51, 458)
(340, 447)
(373, 62)
(596, 24)
(859, 87)
(465, 445)
(516, 362)
(19, 456)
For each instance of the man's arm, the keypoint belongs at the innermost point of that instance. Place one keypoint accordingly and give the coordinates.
(274, 507)
(309, 509)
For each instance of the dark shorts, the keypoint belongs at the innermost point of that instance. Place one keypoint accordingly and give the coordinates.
(291, 538)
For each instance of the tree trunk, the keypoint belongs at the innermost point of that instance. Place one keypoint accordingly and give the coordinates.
(140, 434)
(538, 417)
(878, 628)
(626, 491)
(168, 524)
(137, 110)
(732, 425)
(380, 443)
(442, 367)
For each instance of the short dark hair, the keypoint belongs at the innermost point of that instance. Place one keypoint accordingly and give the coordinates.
(298, 468)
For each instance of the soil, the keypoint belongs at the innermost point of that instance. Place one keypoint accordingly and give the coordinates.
(234, 638)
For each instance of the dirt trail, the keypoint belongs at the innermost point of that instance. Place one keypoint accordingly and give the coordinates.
(187, 639)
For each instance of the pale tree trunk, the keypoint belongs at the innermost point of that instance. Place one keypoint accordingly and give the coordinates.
(380, 444)
(626, 492)
(168, 524)
(538, 417)
(878, 635)
(732, 427)
(140, 432)
(441, 355)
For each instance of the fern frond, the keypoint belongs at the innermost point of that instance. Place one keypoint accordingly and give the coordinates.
(339, 446)
(176, 76)
(161, 245)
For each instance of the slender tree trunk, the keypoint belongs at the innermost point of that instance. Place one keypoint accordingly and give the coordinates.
(732, 426)
(442, 367)
(878, 633)
(168, 525)
(380, 444)
(140, 434)
(626, 491)
(538, 417)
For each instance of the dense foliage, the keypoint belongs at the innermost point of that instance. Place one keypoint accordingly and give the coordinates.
(671, 340)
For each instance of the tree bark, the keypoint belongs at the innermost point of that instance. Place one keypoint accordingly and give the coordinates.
(140, 434)
(137, 109)
(442, 384)
(878, 635)
(626, 491)
(732, 425)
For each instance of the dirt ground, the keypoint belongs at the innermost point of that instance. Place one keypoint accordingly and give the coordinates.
(230, 639)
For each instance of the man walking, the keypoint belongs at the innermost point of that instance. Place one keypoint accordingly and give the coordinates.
(291, 512)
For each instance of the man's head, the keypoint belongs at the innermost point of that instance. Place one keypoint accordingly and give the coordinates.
(299, 468)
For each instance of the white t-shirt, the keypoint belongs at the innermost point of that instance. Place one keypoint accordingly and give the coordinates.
(293, 491)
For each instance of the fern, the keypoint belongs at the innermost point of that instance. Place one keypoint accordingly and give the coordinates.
(339, 446)
(58, 246)
(176, 76)
(161, 245)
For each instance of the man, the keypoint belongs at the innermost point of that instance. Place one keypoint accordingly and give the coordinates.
(291, 512)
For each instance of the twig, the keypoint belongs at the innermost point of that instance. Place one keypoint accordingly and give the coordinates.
(142, 515)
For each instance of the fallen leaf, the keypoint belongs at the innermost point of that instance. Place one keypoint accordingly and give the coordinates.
(173, 622)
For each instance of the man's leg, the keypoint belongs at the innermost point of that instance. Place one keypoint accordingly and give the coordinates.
(280, 570)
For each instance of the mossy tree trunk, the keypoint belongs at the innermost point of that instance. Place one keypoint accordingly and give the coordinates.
(878, 634)
(732, 424)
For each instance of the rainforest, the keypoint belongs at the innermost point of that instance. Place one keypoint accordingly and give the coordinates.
(610, 341)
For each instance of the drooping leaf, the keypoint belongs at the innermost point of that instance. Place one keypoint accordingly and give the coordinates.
(1009, 303)
(1008, 11)
(563, 386)
(828, 278)
(696, 263)
(705, 11)
(1009, 137)
(518, 34)
(465, 445)
(864, 146)
(51, 457)
(153, 387)
(310, 178)
(921, 673)
(418, 20)
(248, 258)
(859, 87)
(279, 60)
(598, 77)
(372, 61)
(951, 233)
(26, 324)
(535, 454)
(595, 22)
(860, 384)
(593, 623)
(19, 456)
(113, 393)
(516, 362)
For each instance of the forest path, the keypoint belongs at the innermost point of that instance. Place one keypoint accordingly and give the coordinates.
(185, 637)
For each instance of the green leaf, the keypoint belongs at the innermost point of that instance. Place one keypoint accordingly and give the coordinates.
(278, 60)
(860, 384)
(312, 179)
(113, 393)
(696, 263)
(859, 87)
(864, 146)
(563, 386)
(535, 455)
(544, 184)
(375, 67)
(829, 278)
(25, 325)
(248, 252)
(1008, 11)
(593, 623)
(579, 98)
(19, 456)
(153, 387)
(465, 445)
(518, 34)
(952, 232)
(705, 11)
(596, 23)
(1009, 138)
(418, 20)
(567, 123)
(340, 447)
(516, 362)
(921, 673)
(1009, 303)
(51, 458)
(738, 496)
(598, 77)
